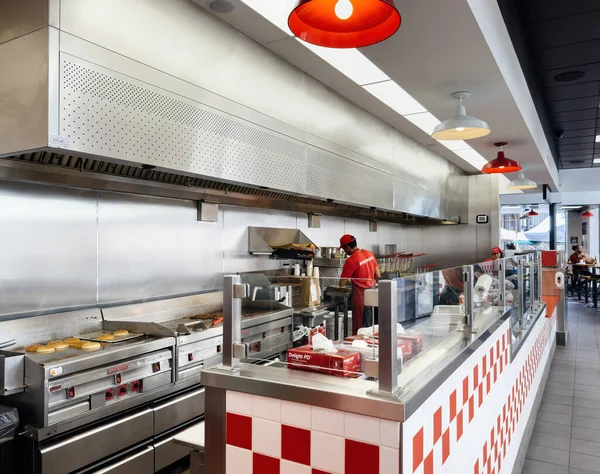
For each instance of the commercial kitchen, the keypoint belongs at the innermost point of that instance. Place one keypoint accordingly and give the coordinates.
(198, 197)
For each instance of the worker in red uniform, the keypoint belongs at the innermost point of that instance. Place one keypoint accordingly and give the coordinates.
(361, 266)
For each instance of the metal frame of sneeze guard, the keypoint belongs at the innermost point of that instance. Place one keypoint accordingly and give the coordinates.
(387, 365)
(233, 349)
(468, 284)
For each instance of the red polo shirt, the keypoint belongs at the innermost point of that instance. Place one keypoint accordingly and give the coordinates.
(361, 264)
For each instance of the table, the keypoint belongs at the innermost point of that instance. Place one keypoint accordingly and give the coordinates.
(193, 437)
(594, 268)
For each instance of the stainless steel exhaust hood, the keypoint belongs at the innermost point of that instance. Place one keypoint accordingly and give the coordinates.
(69, 104)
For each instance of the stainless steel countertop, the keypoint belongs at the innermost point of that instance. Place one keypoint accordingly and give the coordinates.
(419, 379)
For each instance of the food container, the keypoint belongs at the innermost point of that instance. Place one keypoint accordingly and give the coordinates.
(343, 363)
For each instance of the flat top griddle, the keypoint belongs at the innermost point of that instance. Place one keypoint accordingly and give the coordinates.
(93, 336)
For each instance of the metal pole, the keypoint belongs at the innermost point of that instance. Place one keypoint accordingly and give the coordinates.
(552, 211)
(468, 293)
(388, 334)
(232, 320)
(501, 283)
(521, 290)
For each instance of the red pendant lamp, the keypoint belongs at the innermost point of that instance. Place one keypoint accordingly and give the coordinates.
(501, 164)
(344, 23)
(532, 213)
(587, 213)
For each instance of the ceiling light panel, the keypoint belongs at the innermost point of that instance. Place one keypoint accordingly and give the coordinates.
(277, 12)
(596, 161)
(395, 97)
(425, 121)
(349, 62)
(455, 145)
(597, 138)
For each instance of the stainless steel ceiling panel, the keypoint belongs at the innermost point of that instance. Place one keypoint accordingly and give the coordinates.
(418, 200)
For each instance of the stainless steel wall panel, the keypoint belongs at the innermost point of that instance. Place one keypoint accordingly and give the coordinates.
(328, 235)
(199, 49)
(111, 115)
(364, 238)
(24, 92)
(416, 199)
(336, 178)
(47, 247)
(151, 247)
(19, 17)
(235, 237)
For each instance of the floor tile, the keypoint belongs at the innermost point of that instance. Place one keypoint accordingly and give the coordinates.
(559, 418)
(585, 461)
(585, 447)
(586, 412)
(586, 388)
(553, 429)
(584, 402)
(550, 441)
(585, 434)
(550, 455)
(556, 408)
(537, 467)
(559, 391)
(589, 423)
(587, 395)
(572, 470)
(557, 399)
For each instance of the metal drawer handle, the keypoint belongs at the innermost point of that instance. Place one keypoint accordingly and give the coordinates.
(125, 461)
(94, 431)
(180, 399)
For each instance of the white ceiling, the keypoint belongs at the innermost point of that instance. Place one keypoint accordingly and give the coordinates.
(438, 49)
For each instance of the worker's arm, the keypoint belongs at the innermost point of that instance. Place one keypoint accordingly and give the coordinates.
(377, 273)
(347, 273)
(344, 282)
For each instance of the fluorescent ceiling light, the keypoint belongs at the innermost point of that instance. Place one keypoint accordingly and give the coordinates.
(570, 207)
(350, 62)
(277, 12)
(596, 161)
(395, 97)
(455, 145)
(470, 156)
(597, 138)
(425, 121)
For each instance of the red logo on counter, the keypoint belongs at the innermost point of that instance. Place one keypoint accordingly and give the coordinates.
(55, 388)
(117, 368)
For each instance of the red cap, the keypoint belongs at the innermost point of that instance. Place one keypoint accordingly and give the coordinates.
(346, 239)
(497, 250)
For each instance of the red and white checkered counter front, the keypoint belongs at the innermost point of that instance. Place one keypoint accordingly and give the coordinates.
(473, 422)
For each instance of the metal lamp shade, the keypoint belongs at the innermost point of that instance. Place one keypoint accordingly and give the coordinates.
(501, 165)
(532, 213)
(461, 127)
(371, 21)
(522, 183)
(587, 213)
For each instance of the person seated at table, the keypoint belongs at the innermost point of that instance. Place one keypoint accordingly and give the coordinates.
(576, 259)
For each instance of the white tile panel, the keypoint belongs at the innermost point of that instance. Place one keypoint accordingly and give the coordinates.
(237, 402)
(389, 434)
(288, 467)
(266, 437)
(327, 452)
(238, 460)
(296, 414)
(389, 460)
(361, 428)
(327, 421)
(266, 408)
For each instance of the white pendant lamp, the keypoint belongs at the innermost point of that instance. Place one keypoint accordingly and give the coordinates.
(522, 183)
(462, 126)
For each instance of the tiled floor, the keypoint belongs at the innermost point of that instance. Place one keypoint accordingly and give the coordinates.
(566, 437)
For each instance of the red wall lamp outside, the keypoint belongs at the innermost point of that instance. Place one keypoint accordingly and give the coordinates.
(344, 23)
(587, 213)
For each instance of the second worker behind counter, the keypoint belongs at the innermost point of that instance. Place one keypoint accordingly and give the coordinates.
(362, 269)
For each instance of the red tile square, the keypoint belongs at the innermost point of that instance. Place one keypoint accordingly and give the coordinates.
(318, 471)
(484, 452)
(445, 445)
(239, 431)
(497, 347)
(484, 365)
(475, 377)
(488, 383)
(437, 425)
(498, 424)
(495, 373)
(264, 464)
(491, 356)
(417, 449)
(503, 342)
(361, 458)
(459, 425)
(428, 467)
(476, 467)
(452, 406)
(471, 408)
(295, 444)
(480, 393)
(465, 389)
